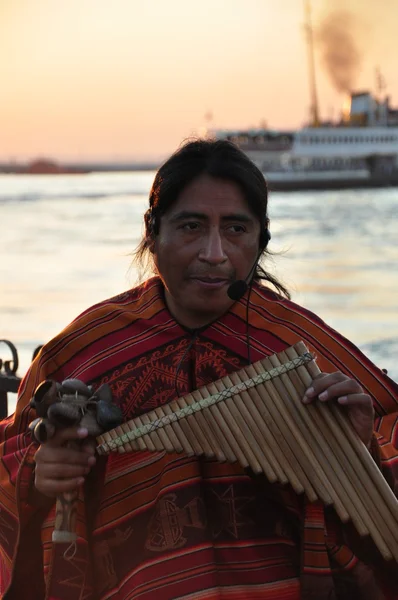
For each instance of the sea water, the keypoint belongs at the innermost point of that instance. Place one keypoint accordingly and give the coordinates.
(67, 242)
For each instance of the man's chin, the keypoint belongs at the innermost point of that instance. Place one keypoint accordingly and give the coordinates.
(210, 307)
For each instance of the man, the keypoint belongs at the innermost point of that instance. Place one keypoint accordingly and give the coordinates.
(172, 526)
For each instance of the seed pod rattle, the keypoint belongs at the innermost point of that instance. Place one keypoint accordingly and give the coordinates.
(69, 404)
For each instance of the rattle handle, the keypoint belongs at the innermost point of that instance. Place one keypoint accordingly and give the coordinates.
(66, 510)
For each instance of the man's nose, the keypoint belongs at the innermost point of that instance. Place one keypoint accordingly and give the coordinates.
(212, 250)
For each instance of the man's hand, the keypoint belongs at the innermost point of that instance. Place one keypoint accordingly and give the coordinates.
(60, 468)
(347, 392)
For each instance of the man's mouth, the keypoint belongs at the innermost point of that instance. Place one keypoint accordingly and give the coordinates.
(210, 283)
(211, 279)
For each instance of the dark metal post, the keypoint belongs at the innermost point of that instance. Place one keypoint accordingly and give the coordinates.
(9, 380)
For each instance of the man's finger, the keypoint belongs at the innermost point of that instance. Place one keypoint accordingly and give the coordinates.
(64, 435)
(359, 400)
(55, 487)
(332, 387)
(46, 471)
(88, 446)
(62, 455)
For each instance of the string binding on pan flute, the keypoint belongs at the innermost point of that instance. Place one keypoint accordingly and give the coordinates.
(256, 417)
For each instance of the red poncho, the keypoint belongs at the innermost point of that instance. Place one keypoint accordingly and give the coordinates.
(171, 526)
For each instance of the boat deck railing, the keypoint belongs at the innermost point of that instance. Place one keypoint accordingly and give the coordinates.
(9, 378)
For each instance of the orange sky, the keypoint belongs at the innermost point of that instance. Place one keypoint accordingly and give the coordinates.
(129, 79)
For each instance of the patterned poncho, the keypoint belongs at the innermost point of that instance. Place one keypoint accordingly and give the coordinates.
(157, 526)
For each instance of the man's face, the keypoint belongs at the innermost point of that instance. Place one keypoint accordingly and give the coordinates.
(207, 239)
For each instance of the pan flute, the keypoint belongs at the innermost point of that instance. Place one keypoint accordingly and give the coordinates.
(256, 417)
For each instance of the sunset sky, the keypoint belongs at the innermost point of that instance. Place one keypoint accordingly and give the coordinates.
(129, 79)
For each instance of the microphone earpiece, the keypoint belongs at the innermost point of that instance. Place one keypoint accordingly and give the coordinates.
(265, 238)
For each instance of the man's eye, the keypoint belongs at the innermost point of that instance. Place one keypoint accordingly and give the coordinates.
(237, 228)
(191, 226)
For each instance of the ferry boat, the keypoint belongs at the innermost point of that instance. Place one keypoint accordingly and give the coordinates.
(360, 150)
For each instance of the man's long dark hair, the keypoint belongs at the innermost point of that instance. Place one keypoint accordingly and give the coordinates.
(220, 159)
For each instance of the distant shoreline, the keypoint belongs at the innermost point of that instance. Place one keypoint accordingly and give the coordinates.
(280, 183)
(52, 168)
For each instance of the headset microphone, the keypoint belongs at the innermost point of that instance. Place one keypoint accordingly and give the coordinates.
(238, 288)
